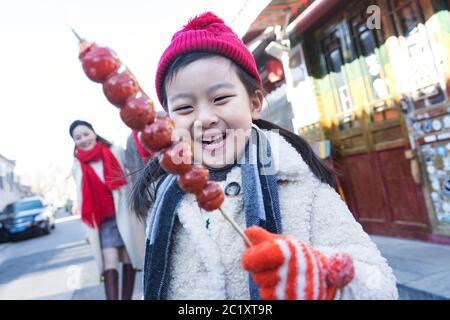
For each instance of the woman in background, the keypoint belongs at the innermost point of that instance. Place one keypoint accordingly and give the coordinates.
(114, 232)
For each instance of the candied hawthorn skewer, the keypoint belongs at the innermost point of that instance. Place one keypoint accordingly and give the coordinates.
(102, 65)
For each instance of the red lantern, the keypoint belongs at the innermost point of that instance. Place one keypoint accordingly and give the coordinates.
(274, 70)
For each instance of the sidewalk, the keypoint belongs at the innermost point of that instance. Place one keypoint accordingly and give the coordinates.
(97, 292)
(422, 268)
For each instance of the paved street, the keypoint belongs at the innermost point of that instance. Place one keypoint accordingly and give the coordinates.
(56, 266)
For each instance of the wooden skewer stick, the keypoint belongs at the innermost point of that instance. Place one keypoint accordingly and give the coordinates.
(83, 44)
(235, 226)
(76, 34)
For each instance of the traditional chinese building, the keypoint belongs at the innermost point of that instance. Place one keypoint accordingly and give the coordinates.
(372, 77)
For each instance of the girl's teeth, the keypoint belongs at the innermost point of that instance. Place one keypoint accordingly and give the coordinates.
(215, 139)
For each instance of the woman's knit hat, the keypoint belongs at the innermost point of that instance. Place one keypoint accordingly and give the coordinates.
(77, 123)
(206, 33)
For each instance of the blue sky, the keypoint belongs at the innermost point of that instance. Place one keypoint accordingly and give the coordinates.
(42, 85)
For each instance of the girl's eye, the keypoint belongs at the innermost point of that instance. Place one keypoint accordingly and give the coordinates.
(222, 99)
(183, 109)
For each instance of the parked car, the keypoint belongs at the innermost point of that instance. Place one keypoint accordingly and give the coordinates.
(26, 217)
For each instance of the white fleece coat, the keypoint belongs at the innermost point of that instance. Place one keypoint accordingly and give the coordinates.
(130, 227)
(206, 263)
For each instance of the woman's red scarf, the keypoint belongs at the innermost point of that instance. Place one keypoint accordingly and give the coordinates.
(144, 153)
(98, 201)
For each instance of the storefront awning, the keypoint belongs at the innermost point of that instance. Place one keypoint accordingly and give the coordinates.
(275, 14)
(303, 13)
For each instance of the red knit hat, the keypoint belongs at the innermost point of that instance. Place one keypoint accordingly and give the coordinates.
(209, 33)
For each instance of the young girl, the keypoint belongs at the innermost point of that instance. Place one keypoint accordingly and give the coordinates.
(208, 82)
(115, 233)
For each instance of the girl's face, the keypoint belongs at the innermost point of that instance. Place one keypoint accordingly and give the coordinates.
(208, 100)
(84, 138)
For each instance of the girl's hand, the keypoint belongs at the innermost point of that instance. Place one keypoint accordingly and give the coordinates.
(286, 268)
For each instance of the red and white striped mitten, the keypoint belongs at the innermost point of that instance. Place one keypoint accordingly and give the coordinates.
(286, 268)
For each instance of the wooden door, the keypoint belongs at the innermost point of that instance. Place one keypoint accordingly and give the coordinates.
(363, 191)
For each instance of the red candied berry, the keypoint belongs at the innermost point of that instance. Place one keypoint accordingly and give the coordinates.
(158, 135)
(177, 159)
(119, 87)
(211, 197)
(99, 63)
(138, 112)
(194, 180)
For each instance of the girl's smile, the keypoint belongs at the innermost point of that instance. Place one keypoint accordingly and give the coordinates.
(214, 142)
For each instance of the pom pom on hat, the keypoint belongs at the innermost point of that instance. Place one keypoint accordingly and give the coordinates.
(202, 21)
(205, 33)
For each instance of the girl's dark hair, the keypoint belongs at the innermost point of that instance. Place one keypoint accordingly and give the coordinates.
(144, 190)
(316, 165)
(99, 138)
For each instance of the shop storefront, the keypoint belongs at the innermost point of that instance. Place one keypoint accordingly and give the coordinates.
(373, 77)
